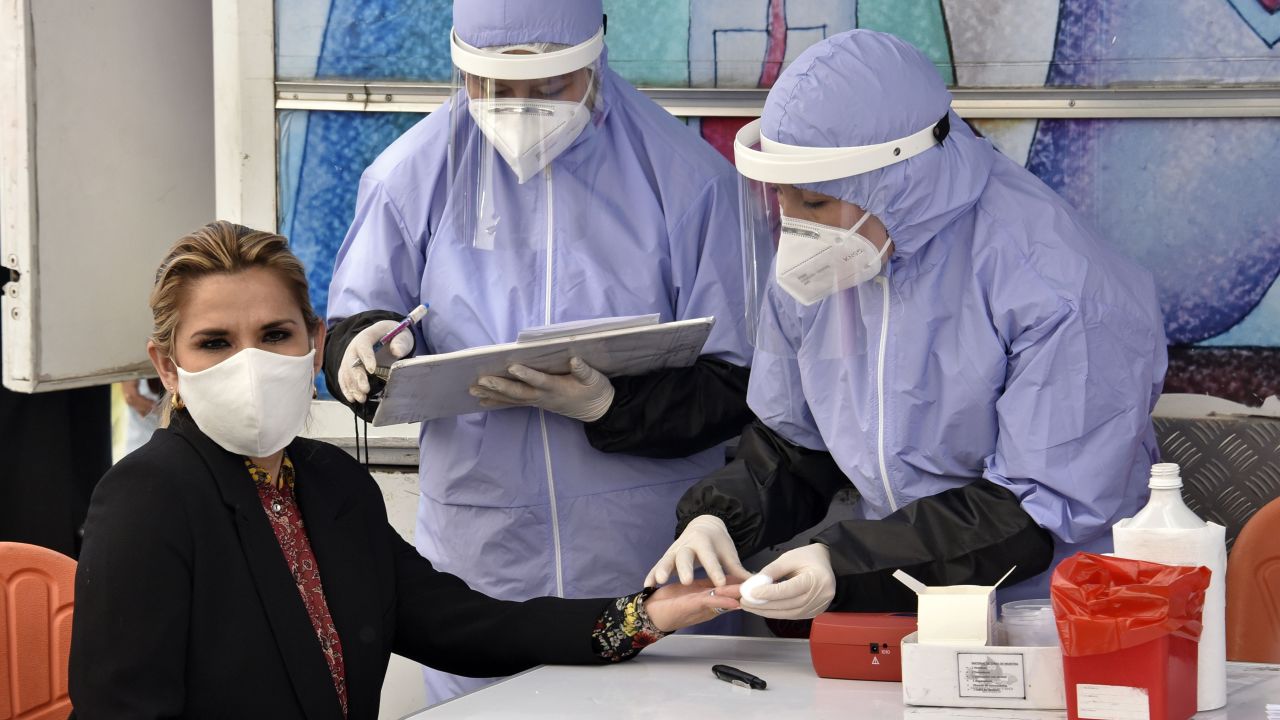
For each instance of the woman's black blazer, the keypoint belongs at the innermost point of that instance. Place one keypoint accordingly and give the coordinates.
(185, 606)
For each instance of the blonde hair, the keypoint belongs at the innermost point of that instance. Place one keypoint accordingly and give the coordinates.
(218, 248)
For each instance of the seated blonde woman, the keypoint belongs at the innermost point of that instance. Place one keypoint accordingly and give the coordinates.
(233, 569)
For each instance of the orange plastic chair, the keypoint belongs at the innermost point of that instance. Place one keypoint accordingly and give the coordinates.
(1253, 589)
(37, 593)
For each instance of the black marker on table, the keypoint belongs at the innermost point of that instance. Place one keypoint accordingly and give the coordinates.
(733, 675)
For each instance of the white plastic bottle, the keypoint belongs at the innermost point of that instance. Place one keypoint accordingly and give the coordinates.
(1167, 531)
(1166, 508)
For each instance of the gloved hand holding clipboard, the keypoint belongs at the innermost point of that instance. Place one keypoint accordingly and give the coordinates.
(433, 386)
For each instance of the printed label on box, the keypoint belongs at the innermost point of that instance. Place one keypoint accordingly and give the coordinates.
(991, 675)
(1112, 702)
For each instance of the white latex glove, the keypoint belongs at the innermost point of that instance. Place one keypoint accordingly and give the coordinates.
(707, 540)
(583, 394)
(359, 361)
(806, 585)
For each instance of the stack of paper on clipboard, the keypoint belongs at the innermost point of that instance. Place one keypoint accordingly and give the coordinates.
(436, 386)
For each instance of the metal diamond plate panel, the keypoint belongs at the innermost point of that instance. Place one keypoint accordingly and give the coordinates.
(1230, 466)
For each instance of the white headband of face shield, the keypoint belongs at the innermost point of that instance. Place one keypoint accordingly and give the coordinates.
(777, 162)
(502, 65)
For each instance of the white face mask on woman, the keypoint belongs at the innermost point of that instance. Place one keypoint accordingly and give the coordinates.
(254, 402)
(816, 260)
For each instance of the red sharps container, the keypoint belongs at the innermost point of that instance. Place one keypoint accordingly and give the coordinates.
(1129, 632)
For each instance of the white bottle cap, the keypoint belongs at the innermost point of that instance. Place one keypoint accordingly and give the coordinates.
(1165, 476)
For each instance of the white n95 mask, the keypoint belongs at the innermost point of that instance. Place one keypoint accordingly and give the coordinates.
(816, 260)
(529, 134)
(254, 402)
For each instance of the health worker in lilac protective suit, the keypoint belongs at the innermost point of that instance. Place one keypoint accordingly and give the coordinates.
(547, 190)
(938, 329)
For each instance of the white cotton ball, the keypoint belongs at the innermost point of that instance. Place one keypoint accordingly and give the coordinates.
(750, 584)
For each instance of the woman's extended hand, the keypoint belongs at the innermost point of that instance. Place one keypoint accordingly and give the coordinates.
(677, 606)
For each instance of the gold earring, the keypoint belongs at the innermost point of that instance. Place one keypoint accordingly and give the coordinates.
(175, 402)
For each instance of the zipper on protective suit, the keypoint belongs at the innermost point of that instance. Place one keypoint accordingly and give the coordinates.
(542, 414)
(883, 281)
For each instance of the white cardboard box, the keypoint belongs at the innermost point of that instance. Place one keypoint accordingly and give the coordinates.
(1027, 678)
(954, 614)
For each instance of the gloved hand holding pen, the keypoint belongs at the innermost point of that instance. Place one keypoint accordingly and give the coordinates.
(382, 343)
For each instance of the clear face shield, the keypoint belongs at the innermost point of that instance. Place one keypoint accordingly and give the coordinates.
(515, 109)
(807, 245)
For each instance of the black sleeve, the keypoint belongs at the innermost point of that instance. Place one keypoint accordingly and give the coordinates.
(133, 600)
(442, 622)
(335, 344)
(966, 535)
(771, 491)
(674, 413)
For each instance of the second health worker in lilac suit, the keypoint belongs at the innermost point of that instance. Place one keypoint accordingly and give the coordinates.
(941, 332)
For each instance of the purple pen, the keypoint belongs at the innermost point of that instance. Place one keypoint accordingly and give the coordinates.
(414, 316)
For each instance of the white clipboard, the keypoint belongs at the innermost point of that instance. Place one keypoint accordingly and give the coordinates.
(435, 386)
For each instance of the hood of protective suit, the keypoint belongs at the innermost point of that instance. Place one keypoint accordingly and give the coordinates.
(492, 23)
(863, 88)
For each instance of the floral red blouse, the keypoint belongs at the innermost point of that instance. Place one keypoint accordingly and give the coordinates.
(281, 506)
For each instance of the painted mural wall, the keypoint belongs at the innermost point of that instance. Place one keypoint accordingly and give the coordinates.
(1193, 200)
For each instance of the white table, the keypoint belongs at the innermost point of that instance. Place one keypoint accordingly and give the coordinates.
(673, 679)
